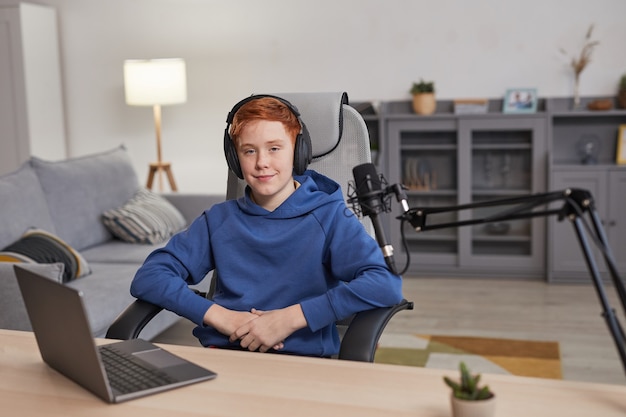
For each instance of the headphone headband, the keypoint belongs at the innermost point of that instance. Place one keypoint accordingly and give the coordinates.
(231, 114)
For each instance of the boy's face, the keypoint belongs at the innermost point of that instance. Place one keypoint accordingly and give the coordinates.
(265, 153)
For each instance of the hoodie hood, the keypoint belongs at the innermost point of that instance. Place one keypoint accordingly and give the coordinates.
(315, 190)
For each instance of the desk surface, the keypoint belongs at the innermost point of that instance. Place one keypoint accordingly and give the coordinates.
(255, 384)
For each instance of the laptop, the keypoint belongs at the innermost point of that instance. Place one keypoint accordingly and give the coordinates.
(59, 321)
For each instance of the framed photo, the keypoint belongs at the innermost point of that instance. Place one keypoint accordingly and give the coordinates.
(620, 157)
(520, 100)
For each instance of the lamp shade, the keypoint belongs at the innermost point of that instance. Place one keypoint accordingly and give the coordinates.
(155, 81)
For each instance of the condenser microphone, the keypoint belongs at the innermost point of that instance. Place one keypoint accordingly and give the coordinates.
(371, 198)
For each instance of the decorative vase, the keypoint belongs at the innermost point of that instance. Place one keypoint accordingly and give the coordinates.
(576, 91)
(424, 103)
(465, 408)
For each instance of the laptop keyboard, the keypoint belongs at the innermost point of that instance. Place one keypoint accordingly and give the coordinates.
(126, 375)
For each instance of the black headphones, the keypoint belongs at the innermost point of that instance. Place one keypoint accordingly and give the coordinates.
(303, 152)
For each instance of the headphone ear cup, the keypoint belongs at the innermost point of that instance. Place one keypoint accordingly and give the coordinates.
(303, 151)
(230, 152)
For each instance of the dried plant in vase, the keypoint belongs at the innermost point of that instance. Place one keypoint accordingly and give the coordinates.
(580, 62)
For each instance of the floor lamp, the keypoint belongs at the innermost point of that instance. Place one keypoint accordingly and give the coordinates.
(156, 82)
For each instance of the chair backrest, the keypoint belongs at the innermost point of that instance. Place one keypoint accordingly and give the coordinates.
(339, 139)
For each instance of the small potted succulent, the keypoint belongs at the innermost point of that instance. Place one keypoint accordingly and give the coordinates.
(621, 94)
(424, 101)
(468, 398)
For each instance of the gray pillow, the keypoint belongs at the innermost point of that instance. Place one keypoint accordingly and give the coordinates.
(78, 190)
(145, 218)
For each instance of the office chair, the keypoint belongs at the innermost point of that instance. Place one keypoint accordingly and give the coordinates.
(340, 141)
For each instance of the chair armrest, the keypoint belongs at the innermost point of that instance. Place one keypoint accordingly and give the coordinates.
(132, 320)
(135, 317)
(361, 339)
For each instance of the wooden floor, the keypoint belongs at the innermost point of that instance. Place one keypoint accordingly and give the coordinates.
(527, 310)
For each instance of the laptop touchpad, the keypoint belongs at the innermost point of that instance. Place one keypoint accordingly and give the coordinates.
(160, 358)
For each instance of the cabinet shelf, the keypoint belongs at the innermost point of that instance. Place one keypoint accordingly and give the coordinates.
(442, 237)
(429, 147)
(563, 106)
(503, 147)
(431, 193)
(431, 236)
(403, 110)
(596, 132)
(588, 113)
(507, 238)
(568, 166)
(482, 193)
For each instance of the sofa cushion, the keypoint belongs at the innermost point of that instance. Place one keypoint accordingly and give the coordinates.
(79, 190)
(39, 246)
(22, 205)
(145, 218)
(106, 293)
(118, 252)
(12, 310)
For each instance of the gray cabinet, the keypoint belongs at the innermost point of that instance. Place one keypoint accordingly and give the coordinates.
(447, 160)
(608, 188)
(582, 155)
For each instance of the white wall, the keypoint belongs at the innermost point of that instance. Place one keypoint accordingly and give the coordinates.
(374, 49)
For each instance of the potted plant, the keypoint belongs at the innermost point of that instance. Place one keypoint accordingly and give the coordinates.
(424, 97)
(468, 399)
(621, 95)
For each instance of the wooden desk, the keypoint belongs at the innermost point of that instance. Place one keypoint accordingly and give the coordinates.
(254, 384)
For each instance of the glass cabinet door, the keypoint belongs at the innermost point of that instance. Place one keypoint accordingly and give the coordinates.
(428, 168)
(500, 163)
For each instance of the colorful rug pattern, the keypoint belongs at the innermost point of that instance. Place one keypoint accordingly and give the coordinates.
(485, 355)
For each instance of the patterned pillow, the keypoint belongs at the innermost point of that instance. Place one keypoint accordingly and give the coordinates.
(39, 246)
(145, 218)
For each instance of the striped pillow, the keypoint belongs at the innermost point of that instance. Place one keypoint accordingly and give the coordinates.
(39, 246)
(145, 218)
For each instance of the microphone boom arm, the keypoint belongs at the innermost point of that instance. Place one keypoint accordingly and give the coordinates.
(418, 216)
(577, 202)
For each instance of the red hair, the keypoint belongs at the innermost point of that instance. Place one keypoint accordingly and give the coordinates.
(265, 108)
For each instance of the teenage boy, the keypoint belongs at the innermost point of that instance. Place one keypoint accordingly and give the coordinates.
(292, 259)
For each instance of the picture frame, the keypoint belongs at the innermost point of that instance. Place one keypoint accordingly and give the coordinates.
(620, 154)
(520, 100)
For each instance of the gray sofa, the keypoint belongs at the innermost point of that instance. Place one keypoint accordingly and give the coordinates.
(67, 199)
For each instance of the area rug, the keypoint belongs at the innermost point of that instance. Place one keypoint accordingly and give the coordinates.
(484, 355)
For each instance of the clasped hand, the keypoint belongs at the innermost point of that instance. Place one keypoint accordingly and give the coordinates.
(257, 330)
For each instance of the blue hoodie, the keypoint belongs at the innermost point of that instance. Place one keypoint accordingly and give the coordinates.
(310, 250)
